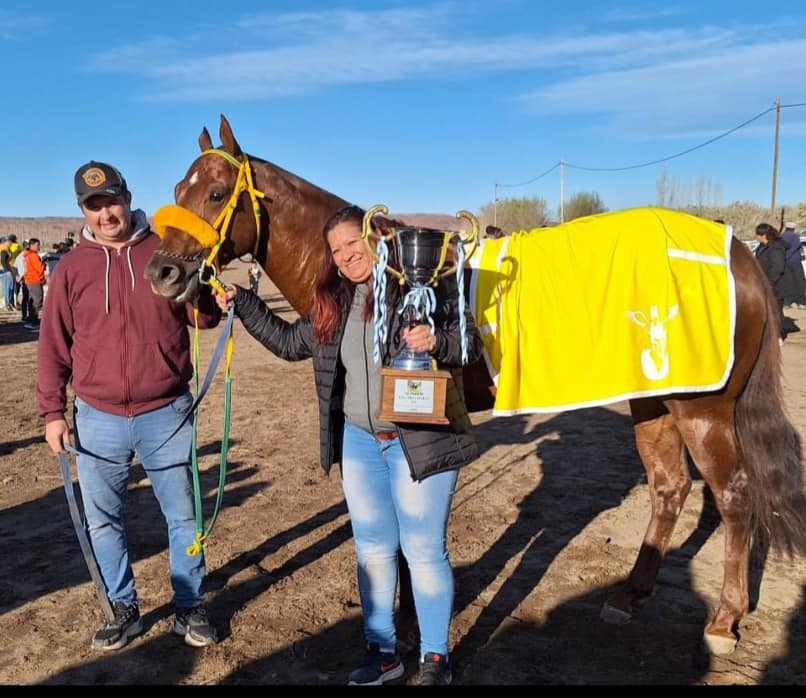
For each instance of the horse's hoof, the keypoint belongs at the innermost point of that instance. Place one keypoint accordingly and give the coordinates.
(719, 644)
(614, 616)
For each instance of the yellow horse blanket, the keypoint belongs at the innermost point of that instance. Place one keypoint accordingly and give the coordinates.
(619, 305)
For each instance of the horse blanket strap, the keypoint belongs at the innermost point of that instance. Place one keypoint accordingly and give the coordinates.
(220, 348)
(83, 540)
(610, 307)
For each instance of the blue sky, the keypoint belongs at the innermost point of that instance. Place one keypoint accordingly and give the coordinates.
(423, 106)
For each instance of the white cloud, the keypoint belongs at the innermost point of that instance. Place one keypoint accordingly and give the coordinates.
(16, 27)
(647, 82)
(669, 97)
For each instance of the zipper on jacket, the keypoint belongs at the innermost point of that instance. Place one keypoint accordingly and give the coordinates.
(124, 342)
(366, 375)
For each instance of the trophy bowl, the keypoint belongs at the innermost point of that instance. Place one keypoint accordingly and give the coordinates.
(422, 253)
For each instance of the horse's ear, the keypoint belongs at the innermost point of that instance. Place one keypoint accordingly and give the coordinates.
(205, 142)
(227, 139)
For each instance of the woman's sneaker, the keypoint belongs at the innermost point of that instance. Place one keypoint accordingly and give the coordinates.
(195, 626)
(434, 670)
(378, 668)
(116, 633)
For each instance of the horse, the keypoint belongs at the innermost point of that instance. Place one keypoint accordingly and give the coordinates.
(738, 437)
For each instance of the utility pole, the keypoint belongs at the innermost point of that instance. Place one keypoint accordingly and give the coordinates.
(495, 204)
(562, 191)
(775, 156)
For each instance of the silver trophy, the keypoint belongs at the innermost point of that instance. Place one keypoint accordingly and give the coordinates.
(424, 256)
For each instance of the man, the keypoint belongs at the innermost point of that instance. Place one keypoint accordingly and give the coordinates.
(35, 283)
(127, 352)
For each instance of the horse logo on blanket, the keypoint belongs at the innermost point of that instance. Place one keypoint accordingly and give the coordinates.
(655, 359)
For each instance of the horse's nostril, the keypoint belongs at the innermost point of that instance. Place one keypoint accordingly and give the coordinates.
(169, 274)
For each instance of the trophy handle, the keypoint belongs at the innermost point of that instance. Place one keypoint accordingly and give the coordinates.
(367, 233)
(472, 237)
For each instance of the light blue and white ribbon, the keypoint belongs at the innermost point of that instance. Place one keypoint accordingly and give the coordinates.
(460, 280)
(423, 300)
(379, 306)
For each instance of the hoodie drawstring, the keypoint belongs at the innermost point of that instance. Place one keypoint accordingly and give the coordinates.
(106, 279)
(131, 269)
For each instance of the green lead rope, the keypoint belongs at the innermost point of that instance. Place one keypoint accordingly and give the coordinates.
(202, 532)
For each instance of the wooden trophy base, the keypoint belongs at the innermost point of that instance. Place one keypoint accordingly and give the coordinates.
(414, 396)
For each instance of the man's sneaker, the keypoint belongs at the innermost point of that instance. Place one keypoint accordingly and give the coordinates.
(378, 668)
(434, 670)
(116, 633)
(195, 626)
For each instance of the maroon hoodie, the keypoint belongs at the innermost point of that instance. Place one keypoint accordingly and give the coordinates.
(125, 349)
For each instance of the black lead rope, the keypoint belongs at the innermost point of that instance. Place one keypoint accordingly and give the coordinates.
(83, 540)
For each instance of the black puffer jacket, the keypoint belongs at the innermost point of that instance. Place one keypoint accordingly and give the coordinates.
(429, 448)
(771, 255)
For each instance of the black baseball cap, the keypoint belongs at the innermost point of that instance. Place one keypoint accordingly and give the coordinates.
(99, 178)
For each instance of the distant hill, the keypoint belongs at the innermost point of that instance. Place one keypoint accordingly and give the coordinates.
(47, 229)
(51, 229)
(440, 221)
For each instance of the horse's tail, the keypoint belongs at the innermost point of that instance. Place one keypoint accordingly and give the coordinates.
(771, 450)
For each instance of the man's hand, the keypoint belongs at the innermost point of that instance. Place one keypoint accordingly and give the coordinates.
(57, 434)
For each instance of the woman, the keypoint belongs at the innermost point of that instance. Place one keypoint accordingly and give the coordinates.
(398, 479)
(771, 255)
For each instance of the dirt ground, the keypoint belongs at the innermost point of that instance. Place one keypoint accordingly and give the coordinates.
(544, 525)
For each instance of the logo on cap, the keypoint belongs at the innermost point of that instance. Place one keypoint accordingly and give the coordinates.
(94, 177)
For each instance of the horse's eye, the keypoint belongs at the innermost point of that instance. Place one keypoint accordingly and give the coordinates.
(216, 196)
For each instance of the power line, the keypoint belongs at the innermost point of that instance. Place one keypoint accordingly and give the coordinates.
(534, 179)
(659, 160)
(676, 155)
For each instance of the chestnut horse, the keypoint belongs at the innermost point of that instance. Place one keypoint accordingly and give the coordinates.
(739, 437)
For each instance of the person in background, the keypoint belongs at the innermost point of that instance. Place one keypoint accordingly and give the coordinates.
(398, 479)
(771, 255)
(126, 353)
(6, 274)
(255, 272)
(35, 281)
(52, 257)
(14, 249)
(19, 265)
(795, 296)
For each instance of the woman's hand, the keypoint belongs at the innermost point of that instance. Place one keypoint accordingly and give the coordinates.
(225, 300)
(420, 339)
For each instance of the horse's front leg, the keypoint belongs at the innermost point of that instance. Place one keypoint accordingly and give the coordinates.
(663, 454)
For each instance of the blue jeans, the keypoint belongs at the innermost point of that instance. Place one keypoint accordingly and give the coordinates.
(7, 287)
(389, 511)
(104, 487)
